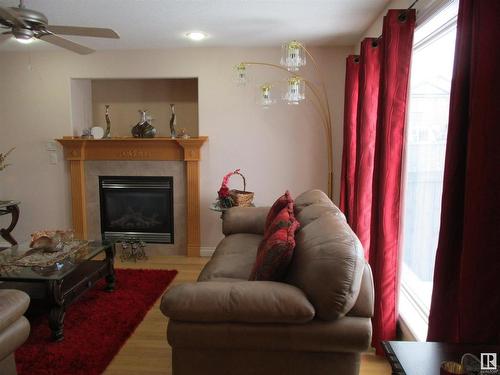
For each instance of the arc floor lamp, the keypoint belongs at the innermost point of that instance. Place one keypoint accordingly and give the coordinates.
(294, 56)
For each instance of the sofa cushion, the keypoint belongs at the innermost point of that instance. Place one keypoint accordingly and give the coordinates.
(277, 206)
(276, 249)
(349, 334)
(243, 301)
(328, 264)
(233, 258)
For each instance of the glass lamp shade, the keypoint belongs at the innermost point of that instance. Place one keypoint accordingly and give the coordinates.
(293, 55)
(265, 95)
(240, 74)
(295, 90)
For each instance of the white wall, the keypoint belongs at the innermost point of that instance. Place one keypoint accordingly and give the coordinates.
(279, 148)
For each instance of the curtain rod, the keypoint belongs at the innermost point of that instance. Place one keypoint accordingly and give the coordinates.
(400, 18)
(375, 42)
(412, 5)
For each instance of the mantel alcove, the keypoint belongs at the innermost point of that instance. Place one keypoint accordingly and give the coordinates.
(77, 150)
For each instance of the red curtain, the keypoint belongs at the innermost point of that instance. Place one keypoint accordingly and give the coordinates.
(466, 296)
(369, 82)
(383, 83)
(349, 151)
(397, 43)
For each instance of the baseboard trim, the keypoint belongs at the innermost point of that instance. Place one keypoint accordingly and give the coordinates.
(207, 251)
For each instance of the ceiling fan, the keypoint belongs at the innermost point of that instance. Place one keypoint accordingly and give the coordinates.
(27, 24)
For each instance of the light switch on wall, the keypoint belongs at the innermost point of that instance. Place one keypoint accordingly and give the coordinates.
(51, 146)
(53, 157)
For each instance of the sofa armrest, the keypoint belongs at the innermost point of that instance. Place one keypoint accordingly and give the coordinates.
(241, 301)
(244, 220)
(13, 304)
(14, 327)
(364, 304)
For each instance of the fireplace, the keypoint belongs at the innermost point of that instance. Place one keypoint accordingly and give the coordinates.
(138, 207)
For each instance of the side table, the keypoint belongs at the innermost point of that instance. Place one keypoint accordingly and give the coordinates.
(215, 207)
(9, 207)
(425, 358)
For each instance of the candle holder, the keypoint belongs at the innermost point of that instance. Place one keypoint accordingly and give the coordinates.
(132, 250)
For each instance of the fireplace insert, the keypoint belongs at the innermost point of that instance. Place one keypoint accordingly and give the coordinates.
(139, 207)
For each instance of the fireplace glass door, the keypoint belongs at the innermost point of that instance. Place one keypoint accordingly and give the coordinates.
(139, 207)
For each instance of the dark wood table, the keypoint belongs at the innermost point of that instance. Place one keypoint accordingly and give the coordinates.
(60, 284)
(12, 208)
(425, 358)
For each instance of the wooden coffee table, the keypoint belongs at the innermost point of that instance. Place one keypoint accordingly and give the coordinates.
(62, 283)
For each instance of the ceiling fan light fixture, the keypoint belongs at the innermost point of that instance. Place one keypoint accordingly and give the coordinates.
(24, 36)
(25, 40)
(26, 25)
(196, 35)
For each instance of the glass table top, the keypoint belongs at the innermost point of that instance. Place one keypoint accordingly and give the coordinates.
(21, 262)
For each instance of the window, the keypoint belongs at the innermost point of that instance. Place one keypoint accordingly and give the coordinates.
(425, 146)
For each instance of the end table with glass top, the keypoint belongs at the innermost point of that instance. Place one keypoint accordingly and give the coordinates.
(426, 358)
(12, 208)
(59, 284)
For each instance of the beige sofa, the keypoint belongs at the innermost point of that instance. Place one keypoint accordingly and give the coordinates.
(14, 327)
(315, 322)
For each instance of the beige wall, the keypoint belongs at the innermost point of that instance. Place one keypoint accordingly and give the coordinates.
(279, 148)
(127, 96)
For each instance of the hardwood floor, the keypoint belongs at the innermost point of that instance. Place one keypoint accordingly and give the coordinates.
(147, 350)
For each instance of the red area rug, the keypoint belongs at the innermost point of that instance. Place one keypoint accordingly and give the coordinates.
(95, 327)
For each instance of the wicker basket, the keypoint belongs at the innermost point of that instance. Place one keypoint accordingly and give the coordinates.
(241, 198)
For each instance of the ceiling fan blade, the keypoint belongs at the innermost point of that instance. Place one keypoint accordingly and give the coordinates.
(95, 32)
(10, 15)
(67, 44)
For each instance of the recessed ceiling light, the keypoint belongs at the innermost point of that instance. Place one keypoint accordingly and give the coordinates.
(196, 35)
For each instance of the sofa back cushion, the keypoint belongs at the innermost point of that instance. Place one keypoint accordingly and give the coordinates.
(276, 249)
(312, 197)
(328, 260)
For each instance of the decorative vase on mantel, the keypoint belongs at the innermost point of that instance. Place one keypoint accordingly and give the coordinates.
(107, 132)
(144, 129)
(173, 122)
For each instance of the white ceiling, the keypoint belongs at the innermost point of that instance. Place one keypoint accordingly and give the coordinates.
(153, 24)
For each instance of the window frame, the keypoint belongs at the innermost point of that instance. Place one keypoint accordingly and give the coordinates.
(413, 313)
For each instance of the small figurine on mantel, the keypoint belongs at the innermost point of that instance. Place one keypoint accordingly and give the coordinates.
(173, 122)
(107, 133)
(183, 134)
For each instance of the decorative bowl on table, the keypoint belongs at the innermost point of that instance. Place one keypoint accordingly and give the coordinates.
(51, 240)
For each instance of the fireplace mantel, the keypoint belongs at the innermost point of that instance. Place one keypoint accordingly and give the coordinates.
(77, 150)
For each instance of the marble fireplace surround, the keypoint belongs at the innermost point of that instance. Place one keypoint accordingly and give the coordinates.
(77, 151)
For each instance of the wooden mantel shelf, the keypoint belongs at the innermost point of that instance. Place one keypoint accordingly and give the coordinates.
(129, 148)
(77, 150)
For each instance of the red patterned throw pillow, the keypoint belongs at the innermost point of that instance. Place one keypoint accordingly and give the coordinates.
(276, 249)
(278, 205)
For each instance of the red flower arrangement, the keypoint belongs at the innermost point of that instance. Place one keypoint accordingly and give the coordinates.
(225, 199)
